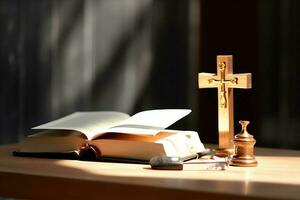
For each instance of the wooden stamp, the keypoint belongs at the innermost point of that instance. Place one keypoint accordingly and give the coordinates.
(244, 148)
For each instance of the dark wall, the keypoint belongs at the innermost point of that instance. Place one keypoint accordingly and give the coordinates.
(263, 37)
(230, 28)
(24, 77)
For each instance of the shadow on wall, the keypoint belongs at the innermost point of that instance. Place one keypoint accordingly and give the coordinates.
(66, 56)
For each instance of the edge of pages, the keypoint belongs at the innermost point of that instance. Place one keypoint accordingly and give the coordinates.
(94, 124)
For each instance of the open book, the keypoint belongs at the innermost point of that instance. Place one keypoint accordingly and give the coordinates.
(113, 135)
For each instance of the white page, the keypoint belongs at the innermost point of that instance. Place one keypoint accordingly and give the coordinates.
(92, 124)
(150, 122)
(89, 123)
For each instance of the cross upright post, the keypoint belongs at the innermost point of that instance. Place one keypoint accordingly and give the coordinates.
(225, 81)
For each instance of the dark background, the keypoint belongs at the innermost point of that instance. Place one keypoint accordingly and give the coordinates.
(62, 56)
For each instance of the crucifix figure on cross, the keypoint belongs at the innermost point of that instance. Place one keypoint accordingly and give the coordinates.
(225, 81)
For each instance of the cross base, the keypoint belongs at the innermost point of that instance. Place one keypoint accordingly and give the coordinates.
(223, 152)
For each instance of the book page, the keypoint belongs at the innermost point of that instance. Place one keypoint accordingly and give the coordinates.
(150, 122)
(89, 123)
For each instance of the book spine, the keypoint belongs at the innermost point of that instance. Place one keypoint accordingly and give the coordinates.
(89, 152)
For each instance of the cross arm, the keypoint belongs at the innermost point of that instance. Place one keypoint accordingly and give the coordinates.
(204, 80)
(243, 80)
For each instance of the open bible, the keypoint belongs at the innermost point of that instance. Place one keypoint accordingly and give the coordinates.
(113, 136)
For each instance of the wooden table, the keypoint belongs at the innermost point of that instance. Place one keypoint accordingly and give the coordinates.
(277, 176)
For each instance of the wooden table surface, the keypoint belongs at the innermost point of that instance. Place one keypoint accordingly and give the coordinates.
(277, 176)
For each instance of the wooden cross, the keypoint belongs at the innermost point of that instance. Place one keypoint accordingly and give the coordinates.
(225, 81)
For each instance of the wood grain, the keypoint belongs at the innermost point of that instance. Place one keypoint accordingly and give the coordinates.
(277, 176)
